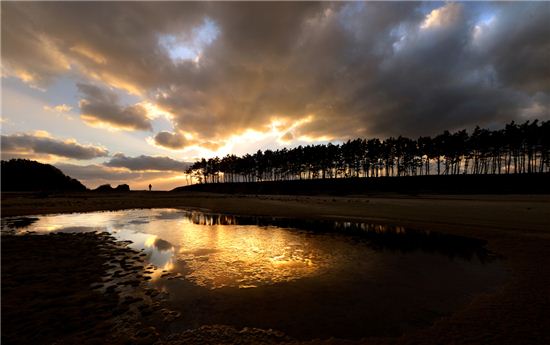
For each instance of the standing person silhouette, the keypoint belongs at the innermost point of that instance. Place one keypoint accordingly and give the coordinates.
(150, 187)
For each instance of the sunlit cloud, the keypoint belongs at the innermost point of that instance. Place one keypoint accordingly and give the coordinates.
(89, 53)
(51, 60)
(61, 108)
(113, 80)
(279, 130)
(443, 16)
(100, 107)
(154, 111)
(42, 143)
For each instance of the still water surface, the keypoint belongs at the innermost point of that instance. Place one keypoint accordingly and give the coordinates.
(310, 279)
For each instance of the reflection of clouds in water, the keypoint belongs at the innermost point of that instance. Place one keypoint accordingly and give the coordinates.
(212, 255)
(221, 250)
(159, 252)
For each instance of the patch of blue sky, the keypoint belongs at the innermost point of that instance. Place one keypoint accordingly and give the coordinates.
(186, 46)
(23, 110)
(177, 50)
(161, 124)
(62, 91)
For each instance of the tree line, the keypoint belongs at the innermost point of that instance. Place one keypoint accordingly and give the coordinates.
(514, 149)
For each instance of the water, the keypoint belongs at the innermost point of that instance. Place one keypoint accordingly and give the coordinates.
(309, 279)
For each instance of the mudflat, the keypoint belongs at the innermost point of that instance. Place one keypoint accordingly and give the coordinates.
(514, 226)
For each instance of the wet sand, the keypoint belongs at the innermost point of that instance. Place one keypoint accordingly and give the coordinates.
(517, 227)
(74, 288)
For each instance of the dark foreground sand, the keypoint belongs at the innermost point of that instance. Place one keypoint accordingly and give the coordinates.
(517, 227)
(74, 288)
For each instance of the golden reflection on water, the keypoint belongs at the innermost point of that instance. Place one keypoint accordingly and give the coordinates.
(212, 252)
(216, 251)
(246, 256)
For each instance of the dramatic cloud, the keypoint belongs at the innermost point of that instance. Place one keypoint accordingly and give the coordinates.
(354, 69)
(24, 145)
(170, 140)
(100, 107)
(146, 163)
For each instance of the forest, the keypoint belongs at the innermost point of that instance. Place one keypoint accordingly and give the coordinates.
(514, 149)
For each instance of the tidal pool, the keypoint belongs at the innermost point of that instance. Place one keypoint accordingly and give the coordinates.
(309, 279)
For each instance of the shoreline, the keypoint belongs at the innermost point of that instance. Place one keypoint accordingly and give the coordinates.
(514, 226)
(521, 214)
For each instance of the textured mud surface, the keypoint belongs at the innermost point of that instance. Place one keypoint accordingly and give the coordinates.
(75, 288)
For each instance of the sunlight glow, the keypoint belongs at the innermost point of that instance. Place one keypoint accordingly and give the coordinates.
(154, 111)
(95, 122)
(115, 82)
(245, 256)
(25, 76)
(280, 130)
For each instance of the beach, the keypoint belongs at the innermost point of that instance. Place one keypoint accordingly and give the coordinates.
(516, 227)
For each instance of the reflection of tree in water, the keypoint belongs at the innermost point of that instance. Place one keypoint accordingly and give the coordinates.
(169, 215)
(377, 236)
(19, 222)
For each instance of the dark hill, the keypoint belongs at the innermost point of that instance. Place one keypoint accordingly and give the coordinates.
(23, 175)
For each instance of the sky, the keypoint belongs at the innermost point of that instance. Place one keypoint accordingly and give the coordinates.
(133, 92)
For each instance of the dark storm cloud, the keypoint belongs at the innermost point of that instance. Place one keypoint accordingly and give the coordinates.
(358, 69)
(29, 144)
(144, 163)
(117, 42)
(100, 106)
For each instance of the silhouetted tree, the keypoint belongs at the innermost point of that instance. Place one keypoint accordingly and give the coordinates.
(514, 149)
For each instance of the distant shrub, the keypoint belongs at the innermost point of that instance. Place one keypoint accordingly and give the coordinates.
(122, 188)
(108, 188)
(104, 188)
